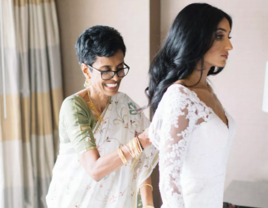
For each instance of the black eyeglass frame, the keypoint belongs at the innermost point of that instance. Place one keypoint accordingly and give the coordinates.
(114, 72)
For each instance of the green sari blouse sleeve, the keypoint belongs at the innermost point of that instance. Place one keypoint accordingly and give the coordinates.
(79, 123)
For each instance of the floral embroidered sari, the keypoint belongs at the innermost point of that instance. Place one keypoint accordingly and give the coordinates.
(71, 186)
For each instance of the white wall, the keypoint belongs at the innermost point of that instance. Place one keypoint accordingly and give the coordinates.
(130, 18)
(240, 85)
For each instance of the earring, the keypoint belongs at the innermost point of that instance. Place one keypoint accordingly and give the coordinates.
(87, 83)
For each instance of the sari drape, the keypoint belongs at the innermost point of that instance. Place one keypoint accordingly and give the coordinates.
(71, 186)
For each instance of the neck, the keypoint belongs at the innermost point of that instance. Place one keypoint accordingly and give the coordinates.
(99, 99)
(194, 78)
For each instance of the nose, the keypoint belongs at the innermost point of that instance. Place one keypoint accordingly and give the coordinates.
(116, 78)
(229, 45)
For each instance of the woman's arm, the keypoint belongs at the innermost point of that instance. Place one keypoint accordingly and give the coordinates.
(171, 132)
(147, 192)
(99, 167)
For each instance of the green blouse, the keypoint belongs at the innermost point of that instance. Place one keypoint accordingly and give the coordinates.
(76, 124)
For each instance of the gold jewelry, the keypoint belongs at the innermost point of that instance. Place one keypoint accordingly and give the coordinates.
(122, 157)
(132, 155)
(146, 184)
(134, 147)
(87, 83)
(136, 144)
(92, 107)
(139, 144)
(148, 206)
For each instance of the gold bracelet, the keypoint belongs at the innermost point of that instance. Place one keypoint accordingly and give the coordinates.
(134, 148)
(139, 144)
(147, 184)
(137, 147)
(138, 139)
(148, 206)
(129, 151)
(121, 155)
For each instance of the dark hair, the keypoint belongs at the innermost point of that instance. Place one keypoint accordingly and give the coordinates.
(189, 38)
(98, 41)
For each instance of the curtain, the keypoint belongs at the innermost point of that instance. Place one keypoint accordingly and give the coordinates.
(30, 95)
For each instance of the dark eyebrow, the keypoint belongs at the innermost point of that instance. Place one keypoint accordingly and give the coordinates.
(121, 63)
(111, 66)
(222, 30)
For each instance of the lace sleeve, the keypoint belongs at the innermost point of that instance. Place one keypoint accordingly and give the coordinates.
(170, 130)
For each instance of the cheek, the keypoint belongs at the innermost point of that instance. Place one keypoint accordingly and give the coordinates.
(97, 81)
(213, 52)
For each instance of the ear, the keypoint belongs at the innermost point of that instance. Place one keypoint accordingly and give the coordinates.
(85, 71)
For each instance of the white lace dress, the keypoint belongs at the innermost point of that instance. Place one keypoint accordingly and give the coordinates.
(194, 144)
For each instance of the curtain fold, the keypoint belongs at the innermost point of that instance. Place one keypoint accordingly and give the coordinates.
(29, 135)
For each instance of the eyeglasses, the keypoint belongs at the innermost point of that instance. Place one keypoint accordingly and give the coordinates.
(106, 75)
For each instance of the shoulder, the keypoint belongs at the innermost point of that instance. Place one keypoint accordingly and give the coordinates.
(73, 103)
(178, 89)
(178, 94)
(177, 99)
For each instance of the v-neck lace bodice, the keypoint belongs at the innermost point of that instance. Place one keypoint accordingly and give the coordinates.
(206, 106)
(193, 145)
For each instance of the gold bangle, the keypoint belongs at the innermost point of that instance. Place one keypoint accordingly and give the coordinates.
(138, 141)
(133, 148)
(129, 151)
(139, 144)
(122, 157)
(146, 184)
(136, 145)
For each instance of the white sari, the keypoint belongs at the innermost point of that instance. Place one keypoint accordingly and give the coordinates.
(72, 187)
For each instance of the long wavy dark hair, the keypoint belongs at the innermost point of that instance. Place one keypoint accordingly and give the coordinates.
(189, 38)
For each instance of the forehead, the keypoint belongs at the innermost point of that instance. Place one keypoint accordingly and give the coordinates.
(117, 58)
(224, 24)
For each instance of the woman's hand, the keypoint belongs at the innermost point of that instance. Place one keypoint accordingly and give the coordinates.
(143, 138)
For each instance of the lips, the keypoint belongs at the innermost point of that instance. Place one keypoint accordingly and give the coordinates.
(225, 56)
(111, 86)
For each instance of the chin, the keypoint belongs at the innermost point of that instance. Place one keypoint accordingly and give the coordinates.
(111, 92)
(223, 64)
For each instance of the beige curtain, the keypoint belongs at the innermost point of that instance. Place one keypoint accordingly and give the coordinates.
(33, 87)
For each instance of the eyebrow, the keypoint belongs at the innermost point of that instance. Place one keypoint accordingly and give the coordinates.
(222, 30)
(111, 66)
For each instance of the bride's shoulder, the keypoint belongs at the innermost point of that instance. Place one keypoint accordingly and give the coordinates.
(178, 89)
(179, 96)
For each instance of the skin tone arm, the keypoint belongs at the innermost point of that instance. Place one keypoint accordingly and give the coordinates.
(99, 167)
(147, 193)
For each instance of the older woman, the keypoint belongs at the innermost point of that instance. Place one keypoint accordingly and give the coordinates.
(102, 162)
